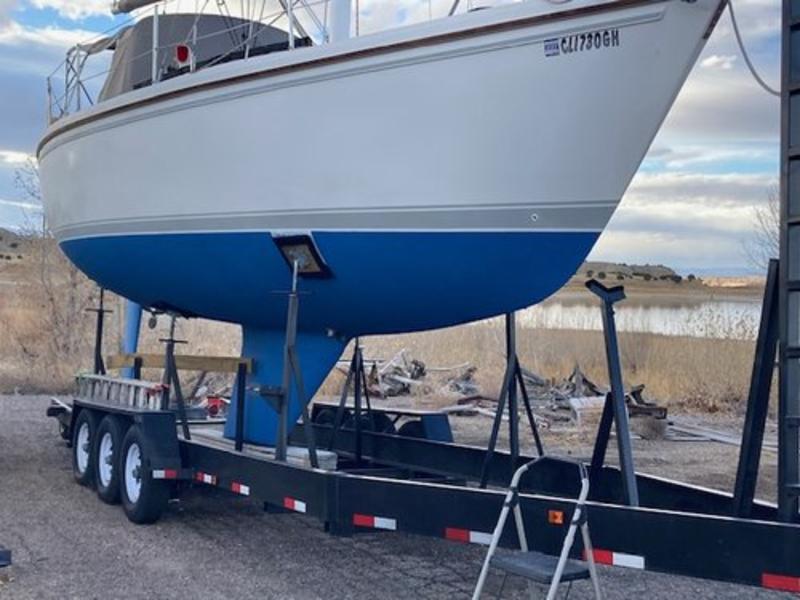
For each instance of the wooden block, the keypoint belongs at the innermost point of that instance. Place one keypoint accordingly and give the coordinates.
(214, 364)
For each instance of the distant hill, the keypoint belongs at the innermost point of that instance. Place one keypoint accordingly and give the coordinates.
(13, 247)
(622, 272)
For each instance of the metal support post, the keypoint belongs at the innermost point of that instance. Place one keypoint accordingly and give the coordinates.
(611, 296)
(508, 394)
(241, 382)
(286, 380)
(357, 378)
(758, 399)
(154, 68)
(172, 381)
(789, 302)
(101, 311)
(340, 411)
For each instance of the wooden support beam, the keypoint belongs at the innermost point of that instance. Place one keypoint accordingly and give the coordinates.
(214, 364)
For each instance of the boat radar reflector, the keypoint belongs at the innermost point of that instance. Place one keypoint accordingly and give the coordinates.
(302, 250)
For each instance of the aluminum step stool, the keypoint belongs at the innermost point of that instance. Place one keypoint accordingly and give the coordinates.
(535, 566)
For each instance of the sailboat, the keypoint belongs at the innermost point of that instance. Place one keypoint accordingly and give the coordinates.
(417, 177)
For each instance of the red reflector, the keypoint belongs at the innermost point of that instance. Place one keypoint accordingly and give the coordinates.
(603, 557)
(780, 582)
(182, 53)
(363, 520)
(457, 535)
(170, 474)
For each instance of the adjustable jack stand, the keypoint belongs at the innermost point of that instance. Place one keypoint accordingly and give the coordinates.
(171, 380)
(512, 379)
(279, 397)
(101, 310)
(614, 409)
(357, 377)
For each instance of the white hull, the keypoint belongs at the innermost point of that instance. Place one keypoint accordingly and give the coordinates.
(461, 124)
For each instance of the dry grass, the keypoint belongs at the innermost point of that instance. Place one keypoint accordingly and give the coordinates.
(687, 373)
(49, 337)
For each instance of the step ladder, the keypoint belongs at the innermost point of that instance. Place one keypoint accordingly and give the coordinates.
(535, 566)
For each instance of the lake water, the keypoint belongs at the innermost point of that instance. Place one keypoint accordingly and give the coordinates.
(736, 319)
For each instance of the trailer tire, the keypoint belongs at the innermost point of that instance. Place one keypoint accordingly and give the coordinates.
(327, 416)
(83, 436)
(108, 441)
(143, 498)
(412, 429)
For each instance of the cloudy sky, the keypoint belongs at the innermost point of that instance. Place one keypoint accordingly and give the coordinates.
(691, 205)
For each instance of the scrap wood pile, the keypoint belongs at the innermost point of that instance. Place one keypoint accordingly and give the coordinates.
(403, 375)
(568, 401)
(565, 401)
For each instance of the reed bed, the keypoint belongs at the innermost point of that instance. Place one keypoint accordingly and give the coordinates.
(708, 375)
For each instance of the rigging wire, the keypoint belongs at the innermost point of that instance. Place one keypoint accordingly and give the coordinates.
(767, 88)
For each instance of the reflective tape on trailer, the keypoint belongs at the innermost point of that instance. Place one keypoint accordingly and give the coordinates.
(165, 474)
(468, 536)
(785, 583)
(294, 504)
(617, 559)
(205, 478)
(240, 488)
(374, 522)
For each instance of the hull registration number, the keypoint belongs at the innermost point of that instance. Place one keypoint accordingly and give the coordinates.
(582, 42)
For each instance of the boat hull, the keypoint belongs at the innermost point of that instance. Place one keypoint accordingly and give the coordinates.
(446, 173)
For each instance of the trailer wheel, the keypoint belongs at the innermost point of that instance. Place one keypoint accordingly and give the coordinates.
(143, 498)
(83, 447)
(327, 416)
(379, 423)
(412, 429)
(106, 476)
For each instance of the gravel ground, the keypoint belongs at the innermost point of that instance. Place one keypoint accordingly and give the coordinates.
(67, 544)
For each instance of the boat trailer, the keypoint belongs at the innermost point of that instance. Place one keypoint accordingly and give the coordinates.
(353, 475)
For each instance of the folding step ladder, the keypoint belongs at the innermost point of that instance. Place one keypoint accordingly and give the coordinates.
(535, 566)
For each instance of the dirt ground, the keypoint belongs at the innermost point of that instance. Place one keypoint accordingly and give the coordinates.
(67, 544)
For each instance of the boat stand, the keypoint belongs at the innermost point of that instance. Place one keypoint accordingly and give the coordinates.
(614, 409)
(172, 381)
(357, 378)
(279, 397)
(508, 393)
(101, 311)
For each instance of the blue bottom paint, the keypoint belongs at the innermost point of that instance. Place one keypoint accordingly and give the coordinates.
(383, 282)
(130, 336)
(317, 354)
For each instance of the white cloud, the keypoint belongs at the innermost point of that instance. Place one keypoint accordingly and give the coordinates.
(6, 8)
(717, 61)
(14, 158)
(76, 9)
(19, 204)
(687, 220)
(14, 34)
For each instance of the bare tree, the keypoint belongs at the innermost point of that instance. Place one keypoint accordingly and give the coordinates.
(48, 322)
(765, 241)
